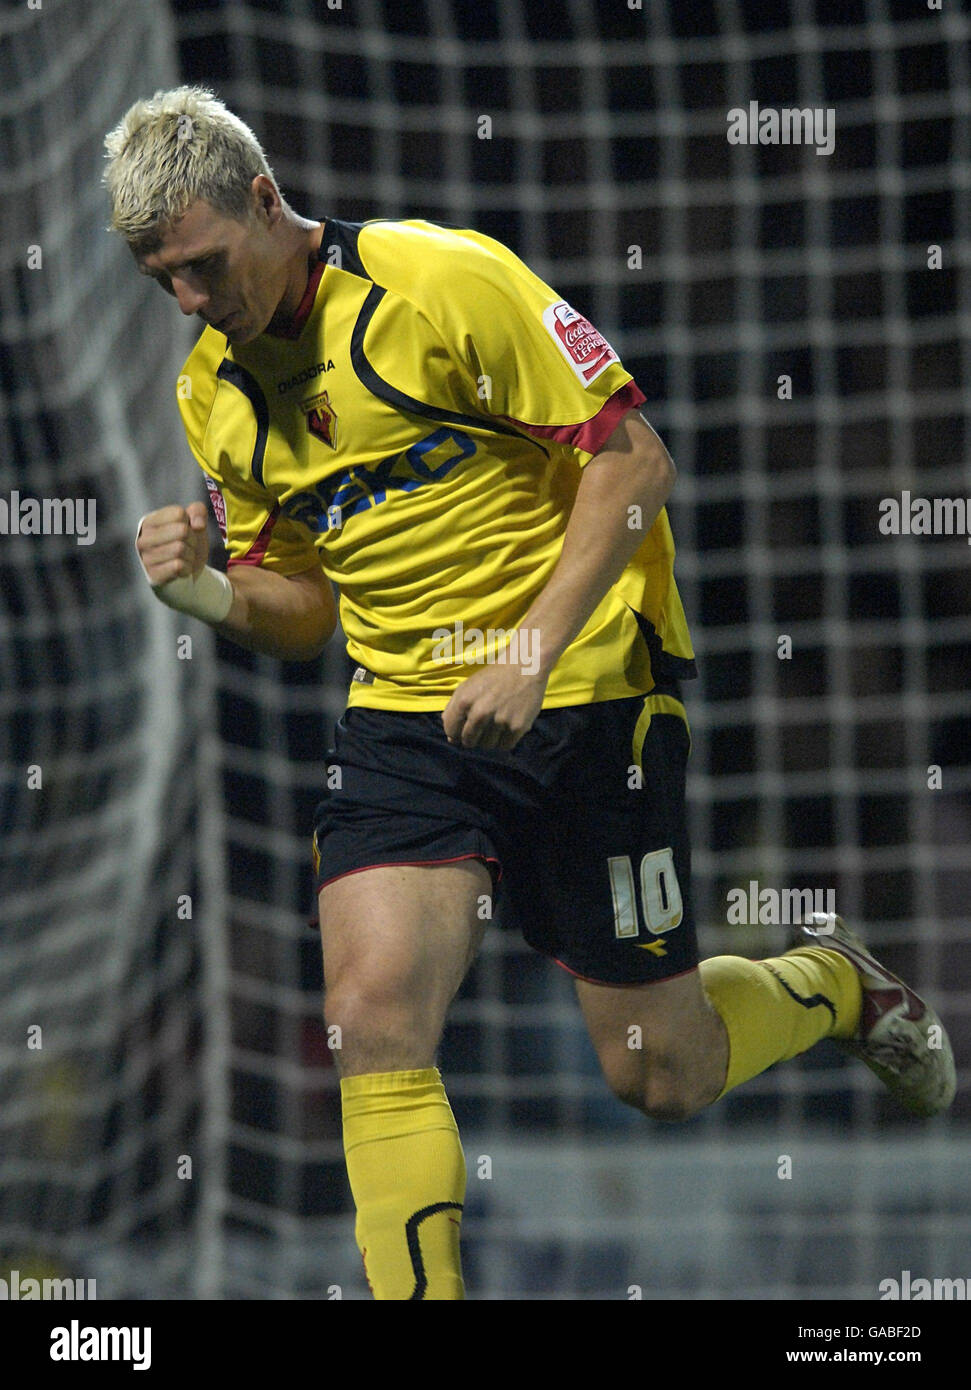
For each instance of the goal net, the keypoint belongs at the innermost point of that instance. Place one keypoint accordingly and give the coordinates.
(107, 954)
(798, 320)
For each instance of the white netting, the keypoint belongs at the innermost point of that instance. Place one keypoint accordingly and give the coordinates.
(104, 783)
(609, 132)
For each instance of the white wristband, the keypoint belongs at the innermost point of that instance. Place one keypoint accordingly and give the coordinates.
(208, 596)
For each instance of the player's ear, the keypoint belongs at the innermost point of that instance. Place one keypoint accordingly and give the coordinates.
(265, 199)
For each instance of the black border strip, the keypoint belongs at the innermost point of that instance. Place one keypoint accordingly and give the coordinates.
(664, 665)
(386, 392)
(244, 381)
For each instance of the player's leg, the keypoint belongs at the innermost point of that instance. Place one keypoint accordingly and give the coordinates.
(662, 1047)
(661, 1053)
(397, 941)
(673, 1034)
(672, 1047)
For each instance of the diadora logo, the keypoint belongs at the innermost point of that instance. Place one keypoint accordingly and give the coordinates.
(301, 378)
(321, 418)
(356, 489)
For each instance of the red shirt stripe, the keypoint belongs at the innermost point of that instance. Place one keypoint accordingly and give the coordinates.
(590, 435)
(256, 552)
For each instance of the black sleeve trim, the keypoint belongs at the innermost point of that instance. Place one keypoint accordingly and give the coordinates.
(386, 392)
(244, 381)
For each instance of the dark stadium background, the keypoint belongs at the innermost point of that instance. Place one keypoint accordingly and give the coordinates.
(533, 192)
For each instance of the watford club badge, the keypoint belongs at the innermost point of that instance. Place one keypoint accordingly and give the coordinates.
(321, 418)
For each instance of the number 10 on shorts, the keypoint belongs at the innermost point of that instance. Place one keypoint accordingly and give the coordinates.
(661, 901)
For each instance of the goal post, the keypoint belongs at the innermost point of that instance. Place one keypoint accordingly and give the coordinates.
(110, 917)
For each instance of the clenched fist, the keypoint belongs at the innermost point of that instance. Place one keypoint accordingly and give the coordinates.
(173, 547)
(173, 543)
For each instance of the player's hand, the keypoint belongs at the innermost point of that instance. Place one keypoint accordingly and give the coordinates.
(173, 543)
(494, 708)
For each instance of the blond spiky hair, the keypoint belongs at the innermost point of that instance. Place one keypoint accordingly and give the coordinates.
(171, 149)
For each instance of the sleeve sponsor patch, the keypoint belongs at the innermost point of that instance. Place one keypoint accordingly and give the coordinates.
(218, 506)
(586, 350)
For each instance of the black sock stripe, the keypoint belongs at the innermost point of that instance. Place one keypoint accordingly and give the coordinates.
(807, 1003)
(414, 1248)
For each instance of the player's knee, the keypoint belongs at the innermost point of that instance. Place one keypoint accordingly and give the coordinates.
(628, 1089)
(374, 1030)
(669, 1094)
(624, 1074)
(656, 1082)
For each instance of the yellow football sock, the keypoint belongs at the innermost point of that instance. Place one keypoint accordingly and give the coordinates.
(774, 1009)
(407, 1174)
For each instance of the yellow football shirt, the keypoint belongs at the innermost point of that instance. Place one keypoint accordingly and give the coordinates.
(420, 433)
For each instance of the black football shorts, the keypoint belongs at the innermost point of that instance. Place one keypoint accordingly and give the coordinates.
(582, 825)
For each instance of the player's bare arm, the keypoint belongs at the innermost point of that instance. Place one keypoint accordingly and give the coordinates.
(292, 617)
(289, 617)
(497, 705)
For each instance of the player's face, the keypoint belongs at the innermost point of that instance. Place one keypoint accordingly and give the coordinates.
(226, 271)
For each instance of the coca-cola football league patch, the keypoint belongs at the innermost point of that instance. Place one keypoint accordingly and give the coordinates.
(218, 505)
(586, 350)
